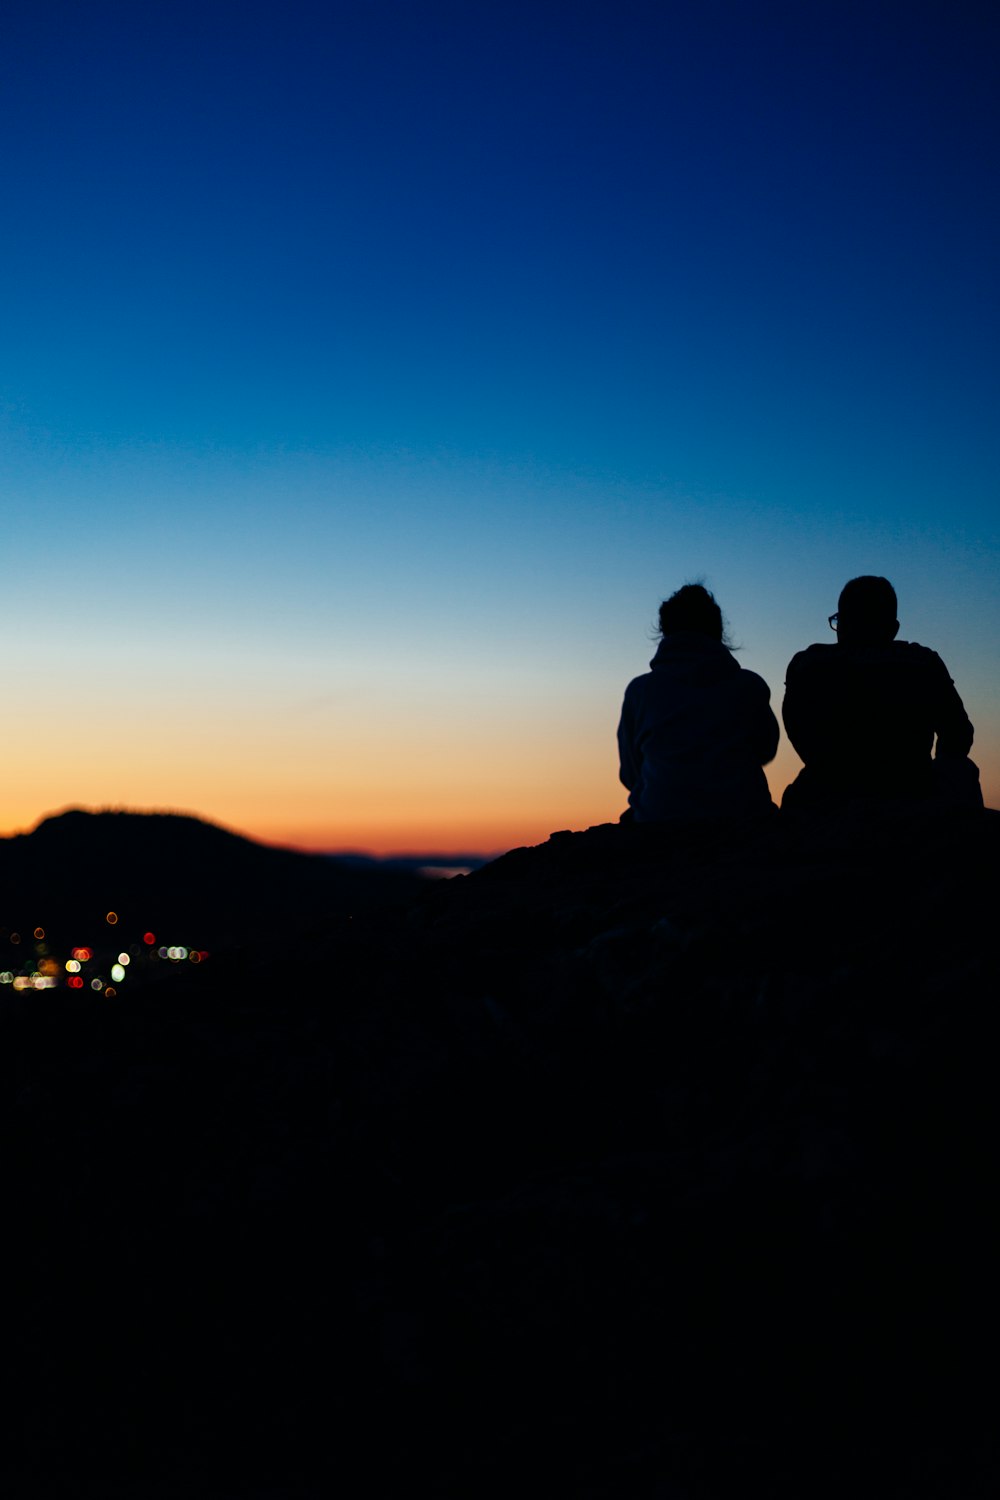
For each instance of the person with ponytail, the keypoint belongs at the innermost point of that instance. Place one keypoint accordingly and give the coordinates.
(696, 729)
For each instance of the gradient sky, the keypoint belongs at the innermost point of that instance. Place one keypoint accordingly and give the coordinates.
(369, 372)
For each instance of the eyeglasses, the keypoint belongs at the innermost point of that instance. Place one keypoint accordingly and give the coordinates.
(832, 620)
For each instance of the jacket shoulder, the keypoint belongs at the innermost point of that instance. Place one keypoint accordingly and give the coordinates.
(922, 654)
(637, 687)
(813, 656)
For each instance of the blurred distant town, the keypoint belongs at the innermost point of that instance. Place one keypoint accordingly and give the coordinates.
(110, 902)
(105, 962)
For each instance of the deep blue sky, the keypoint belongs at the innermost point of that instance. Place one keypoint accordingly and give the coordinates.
(351, 353)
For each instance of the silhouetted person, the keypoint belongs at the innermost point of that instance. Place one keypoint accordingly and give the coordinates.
(696, 729)
(863, 713)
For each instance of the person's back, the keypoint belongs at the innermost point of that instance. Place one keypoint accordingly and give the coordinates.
(864, 713)
(696, 729)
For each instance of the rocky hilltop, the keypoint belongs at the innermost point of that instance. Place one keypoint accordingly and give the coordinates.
(639, 1163)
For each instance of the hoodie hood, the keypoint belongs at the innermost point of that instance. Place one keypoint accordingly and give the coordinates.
(688, 653)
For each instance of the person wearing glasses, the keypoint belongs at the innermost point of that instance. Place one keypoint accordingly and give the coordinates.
(696, 730)
(864, 713)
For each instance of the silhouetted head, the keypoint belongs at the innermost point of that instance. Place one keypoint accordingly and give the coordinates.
(866, 612)
(692, 608)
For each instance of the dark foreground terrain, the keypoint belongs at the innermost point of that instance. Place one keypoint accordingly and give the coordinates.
(626, 1166)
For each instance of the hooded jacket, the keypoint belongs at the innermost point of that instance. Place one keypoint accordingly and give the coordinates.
(694, 733)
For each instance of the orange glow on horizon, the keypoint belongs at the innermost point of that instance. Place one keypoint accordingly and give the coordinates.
(425, 817)
(444, 831)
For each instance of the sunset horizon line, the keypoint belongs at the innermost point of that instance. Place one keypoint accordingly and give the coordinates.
(429, 846)
(298, 841)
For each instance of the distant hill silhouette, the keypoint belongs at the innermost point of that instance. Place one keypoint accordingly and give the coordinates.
(166, 871)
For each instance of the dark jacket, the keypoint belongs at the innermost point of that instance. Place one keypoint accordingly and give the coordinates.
(864, 719)
(694, 733)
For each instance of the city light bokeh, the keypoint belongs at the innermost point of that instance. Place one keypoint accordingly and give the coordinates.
(38, 964)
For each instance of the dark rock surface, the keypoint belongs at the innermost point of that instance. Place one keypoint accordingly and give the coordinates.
(640, 1163)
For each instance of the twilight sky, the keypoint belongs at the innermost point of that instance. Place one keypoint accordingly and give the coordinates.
(369, 372)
